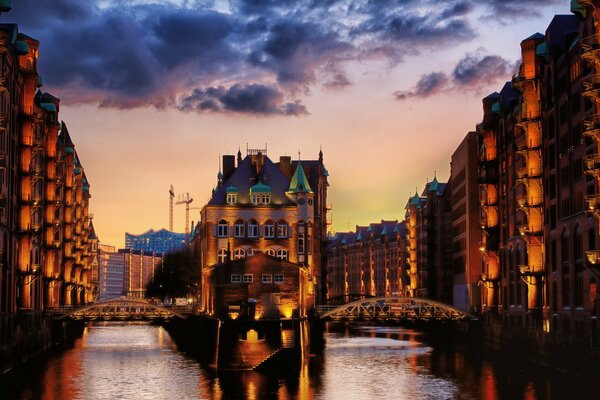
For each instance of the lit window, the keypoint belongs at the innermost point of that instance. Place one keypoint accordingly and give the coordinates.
(301, 238)
(270, 252)
(239, 253)
(282, 254)
(267, 278)
(222, 256)
(248, 278)
(278, 278)
(269, 229)
(253, 229)
(236, 278)
(240, 227)
(282, 229)
(222, 228)
(231, 198)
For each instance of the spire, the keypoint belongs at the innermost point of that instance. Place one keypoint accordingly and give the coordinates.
(239, 156)
(320, 154)
(220, 174)
(299, 182)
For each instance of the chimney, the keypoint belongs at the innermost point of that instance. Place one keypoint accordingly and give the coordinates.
(285, 165)
(228, 166)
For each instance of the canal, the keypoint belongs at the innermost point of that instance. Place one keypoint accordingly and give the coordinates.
(140, 361)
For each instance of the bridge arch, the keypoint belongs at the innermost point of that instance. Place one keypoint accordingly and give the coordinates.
(395, 308)
(122, 308)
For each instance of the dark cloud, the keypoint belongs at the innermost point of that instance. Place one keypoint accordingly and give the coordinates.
(515, 9)
(474, 70)
(250, 99)
(134, 53)
(472, 73)
(428, 85)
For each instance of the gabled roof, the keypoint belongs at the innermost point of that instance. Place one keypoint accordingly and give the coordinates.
(92, 234)
(63, 137)
(299, 182)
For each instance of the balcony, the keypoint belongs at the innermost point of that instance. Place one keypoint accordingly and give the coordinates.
(519, 81)
(591, 86)
(525, 201)
(3, 43)
(3, 83)
(591, 126)
(528, 173)
(528, 230)
(591, 164)
(590, 46)
(523, 143)
(527, 115)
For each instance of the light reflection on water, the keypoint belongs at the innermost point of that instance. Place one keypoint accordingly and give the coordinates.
(140, 361)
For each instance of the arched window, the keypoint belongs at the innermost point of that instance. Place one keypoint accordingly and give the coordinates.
(251, 251)
(577, 244)
(269, 229)
(239, 253)
(240, 228)
(222, 228)
(564, 247)
(282, 254)
(270, 252)
(222, 256)
(282, 229)
(565, 269)
(592, 239)
(253, 228)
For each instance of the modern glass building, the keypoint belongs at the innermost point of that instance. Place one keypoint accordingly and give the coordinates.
(162, 241)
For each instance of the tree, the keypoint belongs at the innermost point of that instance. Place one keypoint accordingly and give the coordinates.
(179, 276)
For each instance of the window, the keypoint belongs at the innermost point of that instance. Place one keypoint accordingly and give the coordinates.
(239, 253)
(278, 278)
(282, 229)
(251, 252)
(222, 228)
(240, 228)
(222, 256)
(269, 229)
(301, 238)
(231, 198)
(248, 278)
(253, 229)
(270, 252)
(236, 278)
(282, 254)
(267, 278)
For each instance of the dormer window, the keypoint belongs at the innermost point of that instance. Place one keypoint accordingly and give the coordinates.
(260, 194)
(232, 195)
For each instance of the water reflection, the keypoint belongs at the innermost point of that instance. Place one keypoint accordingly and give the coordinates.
(133, 360)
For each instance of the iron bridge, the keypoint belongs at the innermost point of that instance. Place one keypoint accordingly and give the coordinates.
(123, 308)
(395, 308)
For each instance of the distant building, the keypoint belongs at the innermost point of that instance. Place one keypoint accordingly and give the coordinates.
(370, 261)
(162, 241)
(110, 277)
(139, 268)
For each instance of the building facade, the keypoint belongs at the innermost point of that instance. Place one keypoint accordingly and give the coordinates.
(45, 253)
(371, 261)
(162, 241)
(110, 274)
(263, 207)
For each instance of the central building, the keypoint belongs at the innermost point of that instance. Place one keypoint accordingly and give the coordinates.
(259, 206)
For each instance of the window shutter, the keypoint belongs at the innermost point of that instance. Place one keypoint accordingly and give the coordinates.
(215, 230)
(231, 231)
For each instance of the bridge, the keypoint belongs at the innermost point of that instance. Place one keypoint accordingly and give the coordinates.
(122, 309)
(393, 309)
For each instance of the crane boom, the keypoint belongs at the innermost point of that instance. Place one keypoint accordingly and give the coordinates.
(186, 199)
(171, 196)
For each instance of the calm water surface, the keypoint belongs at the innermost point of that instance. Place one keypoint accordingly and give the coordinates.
(140, 361)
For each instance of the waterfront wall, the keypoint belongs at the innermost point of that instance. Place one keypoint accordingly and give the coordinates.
(29, 335)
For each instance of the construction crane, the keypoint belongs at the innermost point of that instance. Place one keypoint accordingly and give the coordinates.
(171, 197)
(187, 200)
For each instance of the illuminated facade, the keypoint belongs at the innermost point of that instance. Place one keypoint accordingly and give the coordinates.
(262, 207)
(370, 261)
(429, 221)
(46, 251)
(139, 268)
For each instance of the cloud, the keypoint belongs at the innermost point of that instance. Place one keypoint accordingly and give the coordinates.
(137, 53)
(428, 85)
(472, 73)
(515, 9)
(254, 99)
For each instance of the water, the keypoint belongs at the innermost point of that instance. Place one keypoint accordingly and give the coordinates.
(140, 361)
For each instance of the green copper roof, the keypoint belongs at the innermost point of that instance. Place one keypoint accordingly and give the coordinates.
(384, 231)
(414, 201)
(77, 171)
(359, 237)
(220, 175)
(231, 189)
(577, 8)
(22, 47)
(543, 50)
(50, 107)
(496, 107)
(433, 186)
(299, 182)
(69, 150)
(5, 5)
(260, 188)
(325, 172)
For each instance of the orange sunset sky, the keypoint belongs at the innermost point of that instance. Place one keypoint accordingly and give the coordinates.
(388, 93)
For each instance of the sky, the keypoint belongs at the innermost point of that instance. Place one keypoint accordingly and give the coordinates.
(155, 91)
